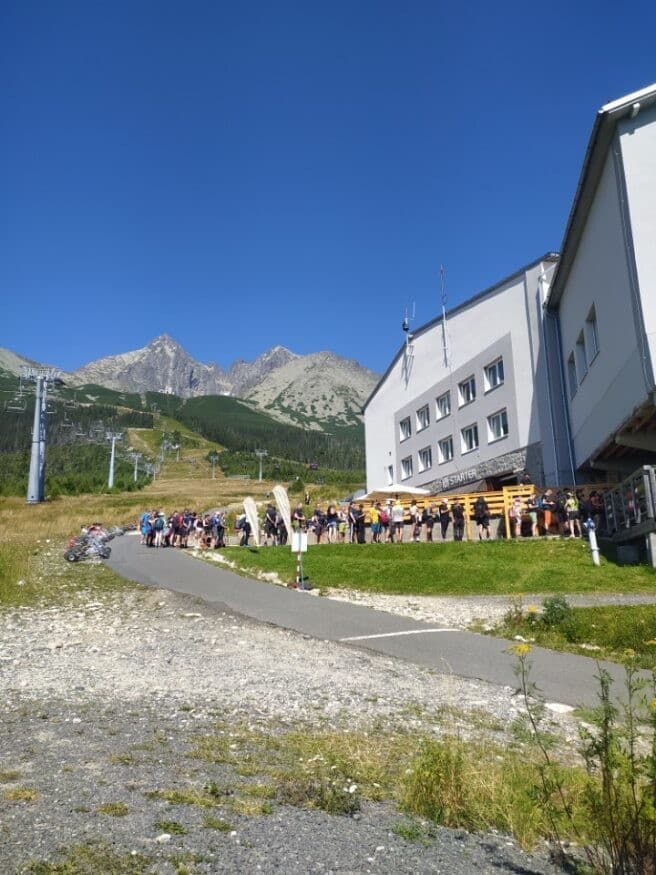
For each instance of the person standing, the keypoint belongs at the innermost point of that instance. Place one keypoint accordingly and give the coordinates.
(458, 513)
(415, 522)
(428, 519)
(270, 527)
(298, 518)
(360, 530)
(482, 517)
(398, 515)
(445, 518)
(515, 514)
(332, 521)
(374, 519)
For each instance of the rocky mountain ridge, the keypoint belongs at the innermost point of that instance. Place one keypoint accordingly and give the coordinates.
(304, 389)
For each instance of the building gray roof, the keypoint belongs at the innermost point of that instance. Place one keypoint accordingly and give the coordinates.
(601, 138)
(488, 292)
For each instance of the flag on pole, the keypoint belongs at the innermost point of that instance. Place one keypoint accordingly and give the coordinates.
(250, 509)
(282, 502)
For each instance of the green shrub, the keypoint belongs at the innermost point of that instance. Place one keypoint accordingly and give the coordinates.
(556, 610)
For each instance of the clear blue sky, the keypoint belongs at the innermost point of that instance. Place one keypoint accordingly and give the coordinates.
(240, 175)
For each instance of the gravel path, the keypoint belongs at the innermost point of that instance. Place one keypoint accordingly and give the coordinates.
(103, 701)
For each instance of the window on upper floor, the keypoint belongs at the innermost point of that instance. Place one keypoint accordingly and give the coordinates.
(445, 449)
(591, 335)
(443, 405)
(581, 358)
(497, 426)
(406, 468)
(390, 475)
(469, 438)
(405, 429)
(494, 375)
(467, 391)
(572, 382)
(423, 418)
(425, 459)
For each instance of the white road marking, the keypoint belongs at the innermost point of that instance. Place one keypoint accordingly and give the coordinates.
(395, 634)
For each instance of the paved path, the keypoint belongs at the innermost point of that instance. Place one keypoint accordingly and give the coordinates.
(562, 677)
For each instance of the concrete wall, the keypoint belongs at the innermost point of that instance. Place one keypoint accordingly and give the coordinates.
(600, 275)
(497, 323)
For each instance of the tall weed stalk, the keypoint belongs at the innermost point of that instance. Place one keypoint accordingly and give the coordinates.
(619, 803)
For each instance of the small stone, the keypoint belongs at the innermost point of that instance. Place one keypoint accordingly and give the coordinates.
(163, 838)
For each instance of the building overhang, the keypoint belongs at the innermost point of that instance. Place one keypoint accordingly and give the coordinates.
(631, 445)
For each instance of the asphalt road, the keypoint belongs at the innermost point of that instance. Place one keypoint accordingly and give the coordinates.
(562, 678)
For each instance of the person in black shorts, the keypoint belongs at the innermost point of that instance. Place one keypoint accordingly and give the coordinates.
(482, 518)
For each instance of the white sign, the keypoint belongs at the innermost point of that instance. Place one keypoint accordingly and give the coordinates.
(299, 542)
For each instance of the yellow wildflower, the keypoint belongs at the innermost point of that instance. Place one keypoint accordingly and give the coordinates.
(521, 649)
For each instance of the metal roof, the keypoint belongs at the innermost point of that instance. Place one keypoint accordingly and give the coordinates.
(601, 137)
(490, 290)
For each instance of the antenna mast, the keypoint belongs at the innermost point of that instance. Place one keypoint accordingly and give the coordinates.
(409, 353)
(445, 340)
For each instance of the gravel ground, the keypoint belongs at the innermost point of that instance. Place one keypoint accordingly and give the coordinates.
(103, 700)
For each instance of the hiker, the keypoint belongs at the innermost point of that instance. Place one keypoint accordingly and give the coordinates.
(482, 517)
(445, 518)
(515, 513)
(398, 515)
(428, 519)
(458, 513)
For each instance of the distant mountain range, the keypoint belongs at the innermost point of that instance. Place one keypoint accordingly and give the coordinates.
(309, 390)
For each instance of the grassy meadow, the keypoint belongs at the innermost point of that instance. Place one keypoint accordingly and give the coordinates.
(466, 568)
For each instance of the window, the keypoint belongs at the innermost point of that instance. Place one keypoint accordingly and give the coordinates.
(497, 426)
(423, 418)
(390, 475)
(494, 375)
(571, 375)
(469, 438)
(405, 429)
(581, 358)
(406, 468)
(443, 405)
(425, 459)
(445, 450)
(467, 391)
(591, 335)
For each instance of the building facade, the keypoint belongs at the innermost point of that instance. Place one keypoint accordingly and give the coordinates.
(464, 399)
(603, 294)
(551, 371)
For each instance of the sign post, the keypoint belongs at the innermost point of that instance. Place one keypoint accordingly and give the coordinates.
(299, 546)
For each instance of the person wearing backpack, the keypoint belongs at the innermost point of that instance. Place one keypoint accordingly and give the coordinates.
(458, 513)
(159, 529)
(482, 517)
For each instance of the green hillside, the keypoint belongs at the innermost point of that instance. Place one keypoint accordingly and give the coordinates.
(80, 416)
(239, 426)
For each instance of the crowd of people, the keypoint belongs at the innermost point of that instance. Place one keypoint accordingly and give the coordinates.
(562, 513)
(182, 529)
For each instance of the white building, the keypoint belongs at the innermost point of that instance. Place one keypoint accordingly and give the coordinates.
(464, 399)
(564, 391)
(603, 294)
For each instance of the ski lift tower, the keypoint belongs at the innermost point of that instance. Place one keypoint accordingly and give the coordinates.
(260, 455)
(112, 436)
(43, 378)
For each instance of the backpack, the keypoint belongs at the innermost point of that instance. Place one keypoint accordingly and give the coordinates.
(159, 523)
(239, 524)
(480, 507)
(383, 517)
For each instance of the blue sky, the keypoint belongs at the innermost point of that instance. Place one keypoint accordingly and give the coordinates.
(244, 175)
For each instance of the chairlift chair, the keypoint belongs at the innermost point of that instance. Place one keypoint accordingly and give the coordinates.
(17, 403)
